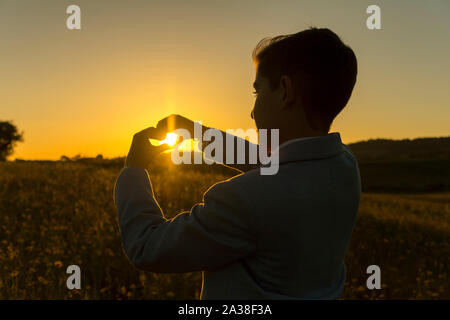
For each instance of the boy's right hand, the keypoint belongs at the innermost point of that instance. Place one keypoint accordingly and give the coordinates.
(173, 122)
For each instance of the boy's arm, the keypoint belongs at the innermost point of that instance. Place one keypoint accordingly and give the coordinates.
(234, 149)
(215, 232)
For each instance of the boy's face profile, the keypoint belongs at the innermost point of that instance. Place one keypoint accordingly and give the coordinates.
(267, 101)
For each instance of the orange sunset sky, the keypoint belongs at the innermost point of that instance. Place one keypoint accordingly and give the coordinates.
(134, 62)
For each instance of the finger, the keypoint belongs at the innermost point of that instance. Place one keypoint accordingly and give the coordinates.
(150, 133)
(180, 139)
(168, 123)
(171, 144)
(175, 121)
(160, 133)
(145, 133)
(165, 146)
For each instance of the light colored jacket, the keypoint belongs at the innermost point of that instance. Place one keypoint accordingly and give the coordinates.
(281, 236)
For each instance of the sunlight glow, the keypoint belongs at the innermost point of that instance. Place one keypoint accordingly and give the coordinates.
(171, 139)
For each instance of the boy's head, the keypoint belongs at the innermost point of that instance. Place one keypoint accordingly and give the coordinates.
(304, 78)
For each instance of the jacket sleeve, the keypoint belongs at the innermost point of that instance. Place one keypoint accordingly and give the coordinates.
(212, 234)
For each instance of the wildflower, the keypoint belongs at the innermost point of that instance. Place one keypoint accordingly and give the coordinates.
(14, 274)
(42, 280)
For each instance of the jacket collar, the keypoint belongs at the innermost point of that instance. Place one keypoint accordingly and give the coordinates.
(313, 148)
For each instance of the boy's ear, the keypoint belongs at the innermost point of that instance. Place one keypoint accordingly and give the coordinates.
(287, 91)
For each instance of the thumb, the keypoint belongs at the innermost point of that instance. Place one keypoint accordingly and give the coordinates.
(165, 146)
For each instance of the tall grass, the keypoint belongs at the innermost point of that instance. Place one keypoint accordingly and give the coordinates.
(53, 215)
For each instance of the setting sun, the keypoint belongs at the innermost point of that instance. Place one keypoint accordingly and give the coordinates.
(171, 139)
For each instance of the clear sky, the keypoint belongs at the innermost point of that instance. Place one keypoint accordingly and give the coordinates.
(134, 62)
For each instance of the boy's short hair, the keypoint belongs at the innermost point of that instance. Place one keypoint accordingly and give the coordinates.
(322, 67)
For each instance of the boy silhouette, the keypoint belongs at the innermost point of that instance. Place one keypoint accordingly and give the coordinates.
(281, 236)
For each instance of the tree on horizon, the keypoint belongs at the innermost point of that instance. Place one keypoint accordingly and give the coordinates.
(9, 137)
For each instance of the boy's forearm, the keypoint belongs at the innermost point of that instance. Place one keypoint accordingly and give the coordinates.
(236, 149)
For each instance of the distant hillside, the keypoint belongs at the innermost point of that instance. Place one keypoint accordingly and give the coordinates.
(419, 165)
(395, 150)
(394, 166)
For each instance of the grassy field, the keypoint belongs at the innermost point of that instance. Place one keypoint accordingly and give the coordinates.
(56, 214)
